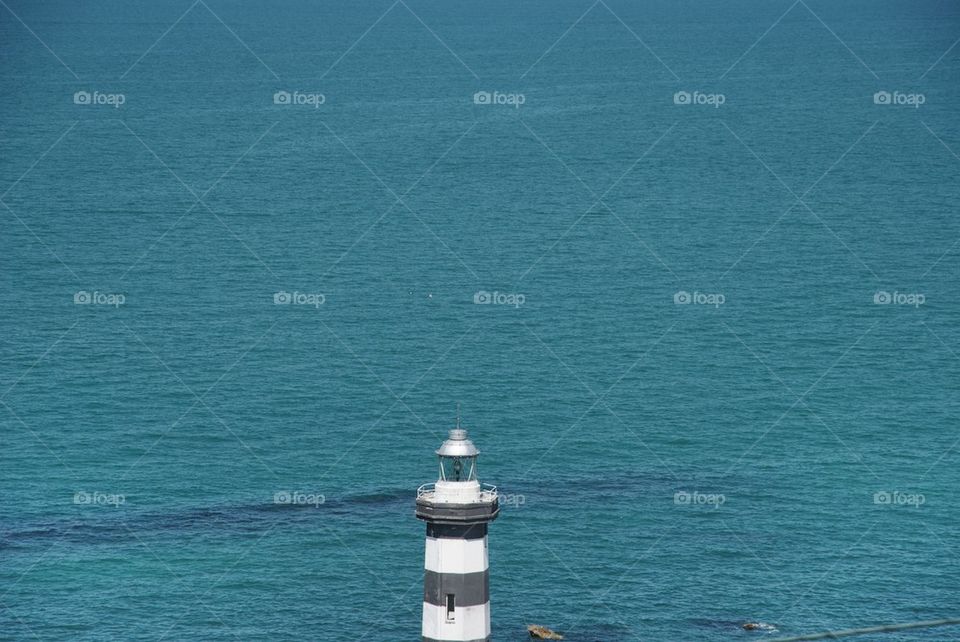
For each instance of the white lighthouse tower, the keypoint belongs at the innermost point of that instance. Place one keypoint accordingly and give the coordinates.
(457, 509)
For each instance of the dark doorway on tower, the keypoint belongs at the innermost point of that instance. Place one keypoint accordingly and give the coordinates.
(450, 607)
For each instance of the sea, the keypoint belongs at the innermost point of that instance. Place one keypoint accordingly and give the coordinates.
(687, 268)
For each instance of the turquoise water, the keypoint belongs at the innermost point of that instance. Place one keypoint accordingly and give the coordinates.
(672, 470)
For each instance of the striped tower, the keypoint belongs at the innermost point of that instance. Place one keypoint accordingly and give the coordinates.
(457, 509)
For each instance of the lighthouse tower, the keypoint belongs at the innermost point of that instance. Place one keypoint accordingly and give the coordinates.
(457, 509)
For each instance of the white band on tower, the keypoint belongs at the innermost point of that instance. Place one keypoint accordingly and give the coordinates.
(456, 555)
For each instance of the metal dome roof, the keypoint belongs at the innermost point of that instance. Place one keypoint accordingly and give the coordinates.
(457, 445)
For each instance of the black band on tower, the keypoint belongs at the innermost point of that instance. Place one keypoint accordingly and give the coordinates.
(471, 589)
(457, 531)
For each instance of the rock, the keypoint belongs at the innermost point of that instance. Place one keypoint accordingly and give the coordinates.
(758, 626)
(543, 633)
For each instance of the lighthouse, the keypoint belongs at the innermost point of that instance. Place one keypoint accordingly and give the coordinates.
(457, 509)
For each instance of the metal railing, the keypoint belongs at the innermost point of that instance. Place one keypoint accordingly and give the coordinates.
(488, 492)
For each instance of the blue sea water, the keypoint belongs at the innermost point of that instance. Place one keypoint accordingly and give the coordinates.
(717, 381)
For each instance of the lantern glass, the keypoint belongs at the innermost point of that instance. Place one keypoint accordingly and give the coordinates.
(458, 469)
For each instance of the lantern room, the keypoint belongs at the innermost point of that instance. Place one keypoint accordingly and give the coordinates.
(458, 458)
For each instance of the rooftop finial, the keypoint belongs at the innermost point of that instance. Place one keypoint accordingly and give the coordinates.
(458, 415)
